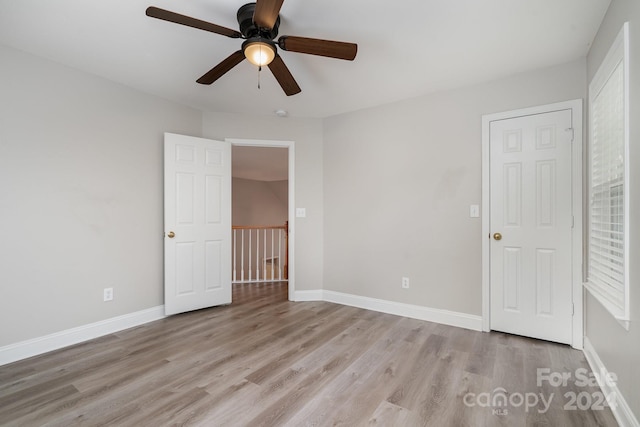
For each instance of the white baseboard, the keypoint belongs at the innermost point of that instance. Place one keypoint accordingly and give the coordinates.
(36, 346)
(620, 409)
(314, 295)
(446, 317)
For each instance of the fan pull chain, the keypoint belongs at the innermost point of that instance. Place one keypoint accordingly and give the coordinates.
(259, 69)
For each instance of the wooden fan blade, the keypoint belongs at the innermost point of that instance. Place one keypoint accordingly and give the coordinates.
(284, 77)
(166, 15)
(219, 70)
(266, 13)
(329, 48)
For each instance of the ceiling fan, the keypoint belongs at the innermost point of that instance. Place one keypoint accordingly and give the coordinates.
(258, 23)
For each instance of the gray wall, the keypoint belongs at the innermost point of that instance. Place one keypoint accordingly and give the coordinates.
(620, 349)
(259, 202)
(398, 182)
(307, 135)
(80, 196)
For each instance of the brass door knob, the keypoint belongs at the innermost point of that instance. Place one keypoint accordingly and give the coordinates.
(171, 235)
(497, 236)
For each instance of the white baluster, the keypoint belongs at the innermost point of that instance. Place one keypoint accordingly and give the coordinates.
(242, 257)
(272, 247)
(257, 255)
(250, 268)
(279, 254)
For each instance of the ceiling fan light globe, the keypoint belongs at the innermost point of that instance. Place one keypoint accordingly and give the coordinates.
(259, 53)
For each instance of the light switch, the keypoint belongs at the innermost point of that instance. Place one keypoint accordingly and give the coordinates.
(474, 211)
(301, 212)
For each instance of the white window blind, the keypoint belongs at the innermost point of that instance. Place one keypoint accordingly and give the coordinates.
(608, 177)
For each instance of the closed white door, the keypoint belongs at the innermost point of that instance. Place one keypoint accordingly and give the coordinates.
(531, 226)
(197, 209)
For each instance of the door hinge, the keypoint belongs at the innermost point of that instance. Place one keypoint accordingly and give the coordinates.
(573, 221)
(573, 133)
(573, 309)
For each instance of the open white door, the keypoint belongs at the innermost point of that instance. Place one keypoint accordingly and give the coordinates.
(197, 219)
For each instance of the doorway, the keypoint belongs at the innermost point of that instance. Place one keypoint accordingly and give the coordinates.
(197, 210)
(532, 233)
(268, 162)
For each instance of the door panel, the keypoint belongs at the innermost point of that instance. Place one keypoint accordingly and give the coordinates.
(545, 188)
(545, 266)
(213, 273)
(513, 194)
(512, 260)
(198, 212)
(530, 202)
(184, 268)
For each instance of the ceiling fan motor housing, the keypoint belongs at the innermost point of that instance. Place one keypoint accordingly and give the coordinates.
(249, 29)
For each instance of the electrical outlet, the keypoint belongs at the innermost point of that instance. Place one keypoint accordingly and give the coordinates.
(108, 294)
(405, 283)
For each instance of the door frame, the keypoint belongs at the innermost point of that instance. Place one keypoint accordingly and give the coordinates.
(290, 145)
(577, 334)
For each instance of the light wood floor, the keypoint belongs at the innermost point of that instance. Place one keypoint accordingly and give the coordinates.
(265, 361)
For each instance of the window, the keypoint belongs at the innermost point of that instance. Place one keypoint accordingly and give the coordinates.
(608, 249)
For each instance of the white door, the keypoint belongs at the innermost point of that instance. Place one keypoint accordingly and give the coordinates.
(531, 225)
(197, 209)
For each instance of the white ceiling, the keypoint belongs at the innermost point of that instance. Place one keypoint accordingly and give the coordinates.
(260, 163)
(406, 47)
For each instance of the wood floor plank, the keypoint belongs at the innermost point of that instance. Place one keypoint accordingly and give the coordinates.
(322, 368)
(388, 414)
(267, 361)
(357, 391)
(363, 396)
(444, 381)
